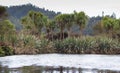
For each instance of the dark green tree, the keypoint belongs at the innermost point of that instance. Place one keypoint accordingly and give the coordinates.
(60, 21)
(69, 18)
(50, 27)
(6, 29)
(3, 13)
(80, 20)
(34, 21)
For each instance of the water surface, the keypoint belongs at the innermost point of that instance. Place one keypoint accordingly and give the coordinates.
(60, 63)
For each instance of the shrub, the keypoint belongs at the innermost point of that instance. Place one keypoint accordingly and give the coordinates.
(30, 44)
(26, 44)
(45, 46)
(2, 53)
(86, 45)
(5, 50)
(107, 45)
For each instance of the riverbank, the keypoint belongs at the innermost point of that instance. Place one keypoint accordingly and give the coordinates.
(82, 45)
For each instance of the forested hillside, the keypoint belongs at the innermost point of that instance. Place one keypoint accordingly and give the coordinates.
(22, 10)
(17, 12)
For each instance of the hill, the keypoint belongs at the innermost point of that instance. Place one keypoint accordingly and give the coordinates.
(17, 12)
(22, 10)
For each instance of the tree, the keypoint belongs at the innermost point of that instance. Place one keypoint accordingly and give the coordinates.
(69, 18)
(80, 20)
(6, 29)
(108, 25)
(2, 10)
(50, 28)
(34, 21)
(98, 28)
(64, 20)
(60, 21)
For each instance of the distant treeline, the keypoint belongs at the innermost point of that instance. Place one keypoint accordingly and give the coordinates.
(17, 12)
(22, 10)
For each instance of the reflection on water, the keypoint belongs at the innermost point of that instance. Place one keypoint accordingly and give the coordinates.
(50, 69)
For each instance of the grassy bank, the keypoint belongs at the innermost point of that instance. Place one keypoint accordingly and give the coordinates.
(88, 45)
(29, 44)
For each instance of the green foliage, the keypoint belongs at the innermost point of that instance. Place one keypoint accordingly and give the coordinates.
(64, 20)
(45, 46)
(98, 28)
(5, 50)
(22, 10)
(74, 45)
(80, 19)
(2, 10)
(25, 44)
(60, 21)
(86, 45)
(108, 25)
(6, 27)
(34, 21)
(2, 53)
(51, 25)
(29, 44)
(111, 24)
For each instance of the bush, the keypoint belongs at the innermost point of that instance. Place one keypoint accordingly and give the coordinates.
(74, 45)
(107, 45)
(2, 53)
(87, 45)
(5, 50)
(30, 44)
(45, 46)
(26, 44)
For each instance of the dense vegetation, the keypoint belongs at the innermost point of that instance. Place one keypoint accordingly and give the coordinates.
(17, 12)
(41, 34)
(22, 10)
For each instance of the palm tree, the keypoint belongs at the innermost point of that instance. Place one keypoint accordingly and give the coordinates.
(111, 25)
(108, 24)
(34, 21)
(69, 22)
(60, 21)
(65, 20)
(50, 28)
(80, 20)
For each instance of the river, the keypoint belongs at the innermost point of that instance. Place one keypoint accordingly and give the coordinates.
(60, 63)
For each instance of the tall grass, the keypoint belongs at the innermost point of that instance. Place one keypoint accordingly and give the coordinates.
(88, 45)
(30, 44)
(5, 49)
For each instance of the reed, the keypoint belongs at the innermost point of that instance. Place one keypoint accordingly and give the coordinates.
(88, 45)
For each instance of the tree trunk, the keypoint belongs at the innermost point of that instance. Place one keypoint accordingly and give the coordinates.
(69, 32)
(80, 32)
(52, 34)
(61, 34)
